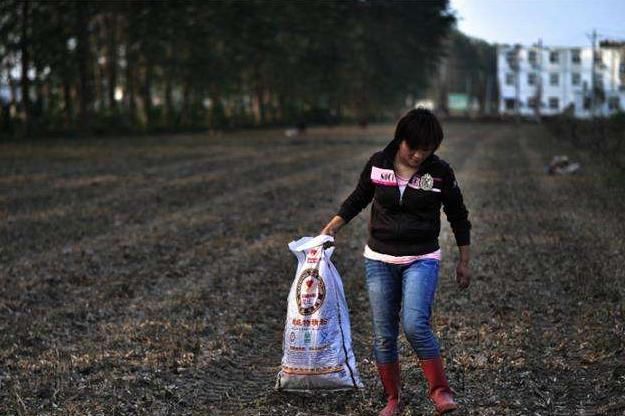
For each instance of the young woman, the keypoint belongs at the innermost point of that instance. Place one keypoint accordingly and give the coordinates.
(408, 184)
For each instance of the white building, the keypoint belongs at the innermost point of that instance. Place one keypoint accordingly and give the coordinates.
(560, 79)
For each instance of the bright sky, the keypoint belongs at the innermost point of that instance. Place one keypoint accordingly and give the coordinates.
(557, 22)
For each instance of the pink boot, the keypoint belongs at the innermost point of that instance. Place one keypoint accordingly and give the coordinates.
(439, 390)
(389, 374)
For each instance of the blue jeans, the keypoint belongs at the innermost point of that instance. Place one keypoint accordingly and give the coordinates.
(412, 285)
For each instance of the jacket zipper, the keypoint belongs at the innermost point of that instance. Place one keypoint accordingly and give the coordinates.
(401, 196)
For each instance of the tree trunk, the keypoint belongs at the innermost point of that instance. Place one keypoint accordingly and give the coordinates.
(146, 92)
(169, 104)
(130, 84)
(168, 71)
(112, 61)
(25, 63)
(67, 98)
(7, 121)
(186, 106)
(99, 42)
(280, 111)
(130, 37)
(39, 109)
(83, 56)
(260, 96)
(12, 86)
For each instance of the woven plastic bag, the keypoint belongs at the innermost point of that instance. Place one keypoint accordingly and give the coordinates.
(317, 343)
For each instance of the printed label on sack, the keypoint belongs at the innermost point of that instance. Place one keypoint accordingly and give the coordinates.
(313, 256)
(315, 323)
(311, 371)
(302, 356)
(311, 292)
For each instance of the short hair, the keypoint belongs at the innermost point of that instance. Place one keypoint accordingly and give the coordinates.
(420, 129)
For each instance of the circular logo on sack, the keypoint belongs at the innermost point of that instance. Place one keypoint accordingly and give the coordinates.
(426, 182)
(311, 292)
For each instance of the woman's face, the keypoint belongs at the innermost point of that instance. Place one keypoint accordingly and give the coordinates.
(412, 157)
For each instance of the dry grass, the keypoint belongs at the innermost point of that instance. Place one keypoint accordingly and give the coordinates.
(150, 276)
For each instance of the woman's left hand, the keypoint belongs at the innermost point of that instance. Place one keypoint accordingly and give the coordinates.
(463, 275)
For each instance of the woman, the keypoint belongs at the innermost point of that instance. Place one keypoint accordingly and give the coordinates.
(408, 184)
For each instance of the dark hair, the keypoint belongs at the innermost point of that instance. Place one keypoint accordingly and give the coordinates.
(420, 129)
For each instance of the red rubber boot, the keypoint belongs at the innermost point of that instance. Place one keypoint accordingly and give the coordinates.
(439, 390)
(389, 374)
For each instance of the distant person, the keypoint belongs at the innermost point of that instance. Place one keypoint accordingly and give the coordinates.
(301, 127)
(408, 184)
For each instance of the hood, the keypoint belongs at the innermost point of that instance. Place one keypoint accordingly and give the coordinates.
(391, 149)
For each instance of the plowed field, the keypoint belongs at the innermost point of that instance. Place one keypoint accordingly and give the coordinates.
(149, 276)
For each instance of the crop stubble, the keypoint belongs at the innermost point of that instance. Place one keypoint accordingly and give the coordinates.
(151, 277)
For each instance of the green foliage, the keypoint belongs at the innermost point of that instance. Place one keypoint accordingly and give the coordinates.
(618, 118)
(144, 65)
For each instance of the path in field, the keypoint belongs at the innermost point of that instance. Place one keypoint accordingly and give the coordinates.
(152, 278)
(543, 330)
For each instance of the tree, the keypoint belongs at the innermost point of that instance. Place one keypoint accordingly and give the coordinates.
(198, 64)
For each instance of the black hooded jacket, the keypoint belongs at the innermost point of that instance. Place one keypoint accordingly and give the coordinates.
(408, 225)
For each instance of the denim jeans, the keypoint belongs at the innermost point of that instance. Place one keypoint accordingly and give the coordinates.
(408, 288)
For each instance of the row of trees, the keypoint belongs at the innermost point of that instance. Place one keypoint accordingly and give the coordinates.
(90, 66)
(470, 67)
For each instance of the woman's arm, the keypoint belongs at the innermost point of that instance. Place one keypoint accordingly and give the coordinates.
(458, 217)
(333, 226)
(455, 210)
(463, 272)
(355, 202)
(360, 197)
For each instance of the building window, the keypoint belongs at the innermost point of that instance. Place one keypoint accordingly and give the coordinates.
(554, 57)
(511, 57)
(554, 79)
(532, 57)
(509, 78)
(509, 103)
(531, 79)
(614, 103)
(576, 78)
(598, 57)
(575, 56)
(587, 103)
(598, 80)
(554, 103)
(531, 102)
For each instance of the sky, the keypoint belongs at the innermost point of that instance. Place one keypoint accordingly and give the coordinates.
(557, 22)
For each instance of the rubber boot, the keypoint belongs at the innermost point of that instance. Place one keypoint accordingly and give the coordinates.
(439, 390)
(389, 374)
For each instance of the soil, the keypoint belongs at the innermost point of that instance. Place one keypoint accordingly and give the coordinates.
(150, 276)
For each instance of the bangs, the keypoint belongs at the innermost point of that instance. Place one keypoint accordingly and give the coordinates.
(420, 130)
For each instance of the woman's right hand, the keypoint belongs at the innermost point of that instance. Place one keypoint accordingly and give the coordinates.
(333, 226)
(327, 230)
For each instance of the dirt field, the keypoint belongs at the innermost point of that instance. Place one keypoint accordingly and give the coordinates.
(149, 276)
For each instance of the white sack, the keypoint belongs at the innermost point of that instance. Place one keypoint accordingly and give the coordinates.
(317, 343)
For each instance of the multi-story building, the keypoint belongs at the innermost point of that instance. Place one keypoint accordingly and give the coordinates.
(540, 80)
